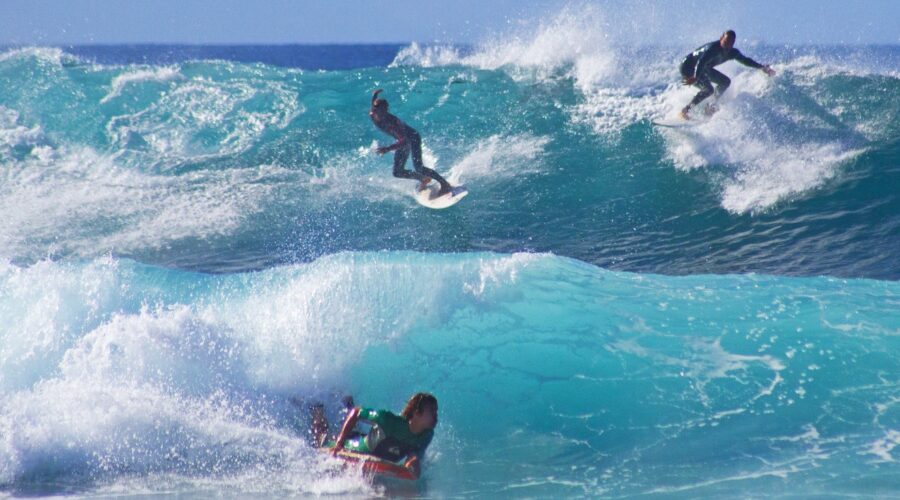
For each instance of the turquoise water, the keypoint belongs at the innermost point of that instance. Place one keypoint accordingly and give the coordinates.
(555, 377)
(194, 237)
(220, 166)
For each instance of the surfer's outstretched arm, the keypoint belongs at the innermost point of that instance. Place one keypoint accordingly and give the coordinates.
(746, 61)
(349, 425)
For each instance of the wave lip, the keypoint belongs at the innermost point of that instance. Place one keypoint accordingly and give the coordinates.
(570, 39)
(162, 74)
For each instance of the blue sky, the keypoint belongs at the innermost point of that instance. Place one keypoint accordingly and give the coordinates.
(61, 22)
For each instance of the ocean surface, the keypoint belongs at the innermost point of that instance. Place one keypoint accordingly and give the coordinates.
(197, 242)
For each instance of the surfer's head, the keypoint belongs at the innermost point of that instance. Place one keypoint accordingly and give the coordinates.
(727, 39)
(421, 411)
(379, 106)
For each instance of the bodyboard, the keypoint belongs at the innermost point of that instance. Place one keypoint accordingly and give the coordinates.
(374, 465)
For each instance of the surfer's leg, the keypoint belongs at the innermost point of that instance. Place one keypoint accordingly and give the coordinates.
(706, 90)
(424, 171)
(400, 171)
(722, 82)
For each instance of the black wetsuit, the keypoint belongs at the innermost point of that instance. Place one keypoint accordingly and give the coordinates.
(408, 140)
(700, 63)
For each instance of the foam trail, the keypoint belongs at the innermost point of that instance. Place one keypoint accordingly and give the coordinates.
(498, 158)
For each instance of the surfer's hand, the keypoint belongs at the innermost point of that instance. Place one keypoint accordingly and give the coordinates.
(689, 80)
(768, 70)
(413, 465)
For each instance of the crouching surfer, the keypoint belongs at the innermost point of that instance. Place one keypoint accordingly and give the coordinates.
(698, 69)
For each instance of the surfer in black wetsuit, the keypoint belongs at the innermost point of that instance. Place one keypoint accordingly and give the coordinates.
(698, 68)
(408, 140)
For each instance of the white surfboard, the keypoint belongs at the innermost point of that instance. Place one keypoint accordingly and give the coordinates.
(676, 121)
(429, 197)
(673, 123)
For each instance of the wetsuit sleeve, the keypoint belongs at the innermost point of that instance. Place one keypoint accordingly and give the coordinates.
(746, 61)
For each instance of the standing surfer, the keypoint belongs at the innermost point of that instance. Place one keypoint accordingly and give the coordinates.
(408, 140)
(698, 68)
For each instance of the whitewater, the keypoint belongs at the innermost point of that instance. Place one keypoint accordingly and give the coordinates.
(198, 242)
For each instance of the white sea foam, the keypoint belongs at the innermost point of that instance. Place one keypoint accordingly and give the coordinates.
(107, 428)
(883, 447)
(495, 158)
(52, 55)
(810, 70)
(44, 308)
(75, 200)
(124, 378)
(569, 43)
(768, 156)
(13, 134)
(201, 118)
(499, 272)
(500, 157)
(608, 110)
(428, 56)
(161, 74)
(715, 362)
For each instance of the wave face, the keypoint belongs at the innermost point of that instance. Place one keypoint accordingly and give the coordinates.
(217, 165)
(555, 377)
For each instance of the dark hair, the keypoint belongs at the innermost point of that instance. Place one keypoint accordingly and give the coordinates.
(418, 403)
(378, 103)
(730, 34)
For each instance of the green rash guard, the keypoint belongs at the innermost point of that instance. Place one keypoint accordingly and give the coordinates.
(389, 437)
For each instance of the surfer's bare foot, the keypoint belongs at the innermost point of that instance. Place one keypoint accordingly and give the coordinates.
(424, 183)
(684, 114)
